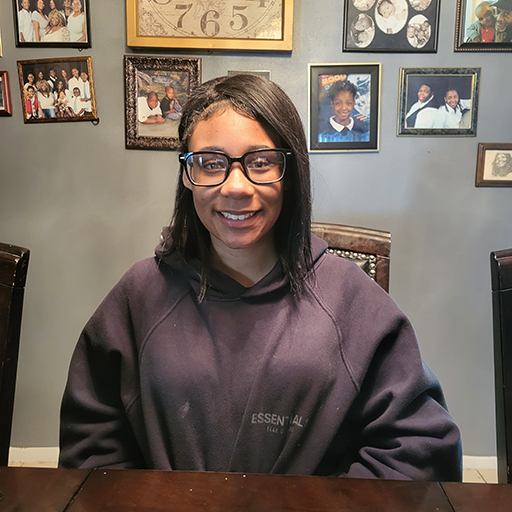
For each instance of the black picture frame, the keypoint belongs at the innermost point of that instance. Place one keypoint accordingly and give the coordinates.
(494, 165)
(86, 109)
(412, 27)
(144, 75)
(58, 39)
(363, 134)
(466, 27)
(432, 116)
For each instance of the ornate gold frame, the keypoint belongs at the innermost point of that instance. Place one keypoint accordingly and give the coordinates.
(209, 43)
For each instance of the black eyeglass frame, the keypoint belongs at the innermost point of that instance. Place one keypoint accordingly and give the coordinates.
(183, 157)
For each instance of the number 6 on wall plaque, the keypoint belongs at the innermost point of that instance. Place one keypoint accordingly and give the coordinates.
(213, 25)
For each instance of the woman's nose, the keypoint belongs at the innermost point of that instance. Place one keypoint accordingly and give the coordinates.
(237, 184)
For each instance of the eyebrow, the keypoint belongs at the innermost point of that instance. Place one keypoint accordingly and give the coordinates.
(222, 150)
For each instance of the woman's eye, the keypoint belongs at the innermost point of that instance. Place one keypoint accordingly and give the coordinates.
(213, 165)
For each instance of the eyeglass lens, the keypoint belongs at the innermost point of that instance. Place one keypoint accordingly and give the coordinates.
(211, 168)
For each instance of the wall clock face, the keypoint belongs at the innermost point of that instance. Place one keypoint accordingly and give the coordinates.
(211, 19)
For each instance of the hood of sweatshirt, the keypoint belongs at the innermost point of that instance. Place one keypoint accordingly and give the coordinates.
(223, 287)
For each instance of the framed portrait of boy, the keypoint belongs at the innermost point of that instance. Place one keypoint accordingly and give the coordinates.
(438, 101)
(494, 165)
(52, 23)
(344, 107)
(156, 89)
(391, 26)
(483, 25)
(5, 95)
(57, 90)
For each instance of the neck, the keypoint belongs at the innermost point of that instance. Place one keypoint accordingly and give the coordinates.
(247, 266)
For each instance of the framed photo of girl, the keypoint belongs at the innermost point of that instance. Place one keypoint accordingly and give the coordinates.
(344, 107)
(52, 23)
(438, 101)
(494, 165)
(56, 90)
(5, 95)
(483, 25)
(156, 88)
(391, 26)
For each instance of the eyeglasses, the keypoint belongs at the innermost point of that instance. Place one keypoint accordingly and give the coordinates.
(211, 168)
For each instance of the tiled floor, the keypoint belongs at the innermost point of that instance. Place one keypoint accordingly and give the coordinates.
(481, 476)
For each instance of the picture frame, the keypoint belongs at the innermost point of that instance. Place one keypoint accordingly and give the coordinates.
(145, 77)
(256, 25)
(5, 94)
(67, 30)
(1, 54)
(355, 88)
(494, 165)
(400, 26)
(438, 101)
(68, 82)
(497, 29)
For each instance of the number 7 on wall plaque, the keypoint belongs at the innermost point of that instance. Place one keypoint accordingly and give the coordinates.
(210, 24)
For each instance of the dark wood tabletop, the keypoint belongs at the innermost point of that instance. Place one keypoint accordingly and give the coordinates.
(59, 490)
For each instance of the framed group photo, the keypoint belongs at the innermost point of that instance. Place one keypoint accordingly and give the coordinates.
(438, 101)
(156, 88)
(56, 90)
(344, 107)
(261, 25)
(391, 26)
(483, 26)
(5, 95)
(52, 23)
(494, 165)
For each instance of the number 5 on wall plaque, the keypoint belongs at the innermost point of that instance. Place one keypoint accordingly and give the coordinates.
(265, 25)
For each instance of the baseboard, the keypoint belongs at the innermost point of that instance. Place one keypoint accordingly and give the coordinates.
(46, 454)
(51, 454)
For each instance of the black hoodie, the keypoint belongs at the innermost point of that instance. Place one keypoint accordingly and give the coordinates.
(255, 380)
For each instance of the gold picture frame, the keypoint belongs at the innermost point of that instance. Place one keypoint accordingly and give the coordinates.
(245, 25)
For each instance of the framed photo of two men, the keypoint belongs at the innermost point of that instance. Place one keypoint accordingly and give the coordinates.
(390, 26)
(438, 101)
(52, 23)
(344, 107)
(483, 25)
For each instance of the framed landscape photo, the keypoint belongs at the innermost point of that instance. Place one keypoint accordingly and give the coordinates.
(494, 165)
(156, 89)
(264, 25)
(5, 95)
(438, 101)
(344, 107)
(391, 26)
(52, 23)
(483, 26)
(57, 90)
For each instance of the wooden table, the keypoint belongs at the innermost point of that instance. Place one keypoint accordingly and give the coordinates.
(59, 490)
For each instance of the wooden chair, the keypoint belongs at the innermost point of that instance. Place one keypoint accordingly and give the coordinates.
(501, 280)
(369, 248)
(13, 273)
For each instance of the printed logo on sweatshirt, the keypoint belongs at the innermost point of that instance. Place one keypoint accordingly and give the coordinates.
(277, 423)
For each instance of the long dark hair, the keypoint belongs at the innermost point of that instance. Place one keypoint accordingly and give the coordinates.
(268, 104)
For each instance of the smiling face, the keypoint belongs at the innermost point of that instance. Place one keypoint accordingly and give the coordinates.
(76, 5)
(500, 160)
(452, 98)
(239, 215)
(424, 93)
(152, 100)
(386, 9)
(40, 4)
(169, 92)
(25, 4)
(485, 15)
(343, 104)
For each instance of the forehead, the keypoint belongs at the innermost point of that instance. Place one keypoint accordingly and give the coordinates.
(343, 95)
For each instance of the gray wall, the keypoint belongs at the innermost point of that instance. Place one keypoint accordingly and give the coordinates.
(87, 208)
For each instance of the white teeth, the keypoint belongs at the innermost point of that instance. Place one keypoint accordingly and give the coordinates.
(237, 217)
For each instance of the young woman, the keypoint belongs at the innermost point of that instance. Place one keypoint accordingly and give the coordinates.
(39, 20)
(76, 22)
(243, 345)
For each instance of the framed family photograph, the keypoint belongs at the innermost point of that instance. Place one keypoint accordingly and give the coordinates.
(483, 26)
(264, 25)
(156, 89)
(344, 107)
(56, 90)
(391, 26)
(494, 165)
(438, 101)
(5, 95)
(52, 23)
